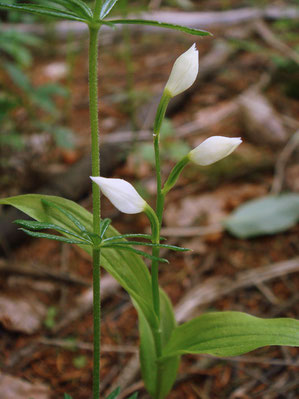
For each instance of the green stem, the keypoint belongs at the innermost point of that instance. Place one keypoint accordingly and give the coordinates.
(96, 323)
(160, 195)
(95, 160)
(155, 264)
(97, 10)
(156, 237)
(161, 110)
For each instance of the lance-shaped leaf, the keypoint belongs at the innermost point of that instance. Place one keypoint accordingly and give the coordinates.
(133, 235)
(69, 215)
(146, 244)
(114, 394)
(38, 234)
(44, 11)
(104, 224)
(107, 7)
(77, 7)
(34, 225)
(124, 246)
(158, 378)
(230, 334)
(185, 29)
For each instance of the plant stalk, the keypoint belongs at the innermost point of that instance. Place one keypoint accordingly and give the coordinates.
(97, 10)
(160, 200)
(95, 161)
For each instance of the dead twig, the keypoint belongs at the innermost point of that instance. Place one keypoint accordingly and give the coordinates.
(269, 37)
(40, 272)
(281, 163)
(262, 122)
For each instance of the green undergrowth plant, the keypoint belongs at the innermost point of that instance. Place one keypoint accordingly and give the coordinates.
(19, 93)
(162, 341)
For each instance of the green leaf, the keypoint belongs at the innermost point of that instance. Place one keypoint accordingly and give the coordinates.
(168, 366)
(114, 394)
(147, 236)
(267, 215)
(104, 224)
(18, 77)
(192, 31)
(33, 225)
(158, 377)
(146, 244)
(64, 137)
(44, 11)
(126, 267)
(230, 334)
(148, 354)
(107, 7)
(38, 234)
(134, 396)
(69, 215)
(125, 247)
(67, 396)
(17, 51)
(76, 7)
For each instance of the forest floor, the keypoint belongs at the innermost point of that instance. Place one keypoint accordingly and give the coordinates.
(43, 283)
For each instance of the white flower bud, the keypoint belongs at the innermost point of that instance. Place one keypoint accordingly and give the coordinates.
(122, 194)
(213, 149)
(184, 72)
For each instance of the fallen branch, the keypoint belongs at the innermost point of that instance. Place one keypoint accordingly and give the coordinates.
(269, 37)
(41, 273)
(262, 123)
(216, 288)
(281, 163)
(204, 20)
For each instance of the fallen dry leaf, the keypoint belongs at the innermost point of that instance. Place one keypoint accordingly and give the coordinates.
(207, 208)
(15, 388)
(21, 312)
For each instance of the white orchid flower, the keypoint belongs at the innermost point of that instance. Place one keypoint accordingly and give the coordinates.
(184, 72)
(122, 194)
(213, 149)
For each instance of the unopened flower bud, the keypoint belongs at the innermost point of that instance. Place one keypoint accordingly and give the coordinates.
(213, 149)
(122, 194)
(184, 72)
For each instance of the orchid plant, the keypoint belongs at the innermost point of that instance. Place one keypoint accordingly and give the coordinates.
(162, 342)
